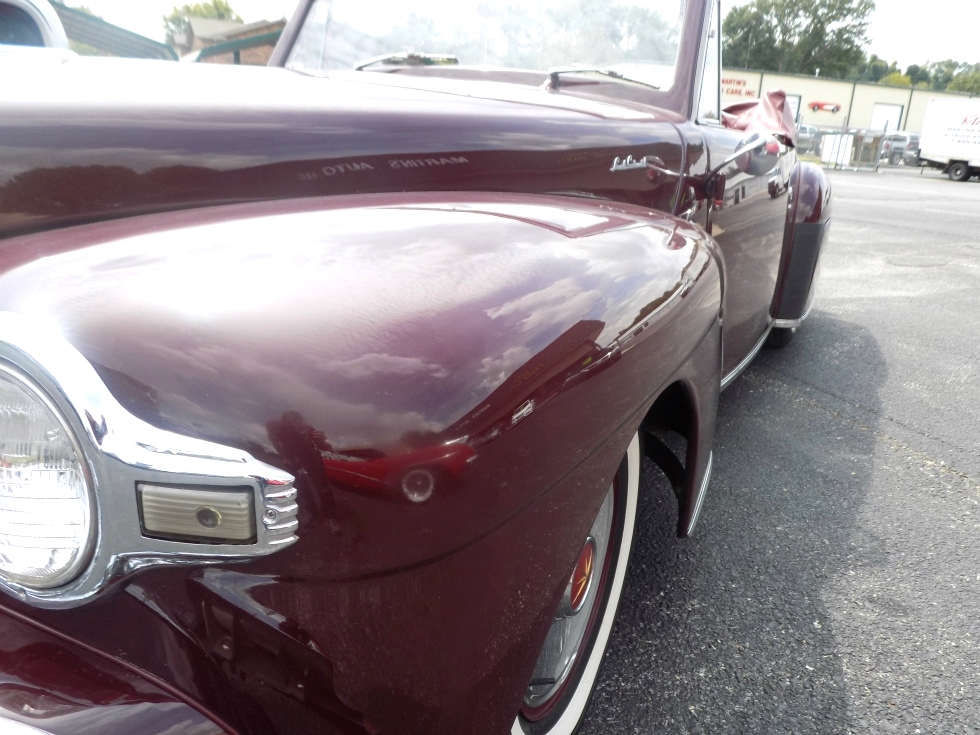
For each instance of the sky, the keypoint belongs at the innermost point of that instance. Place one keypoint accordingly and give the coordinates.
(906, 31)
(916, 31)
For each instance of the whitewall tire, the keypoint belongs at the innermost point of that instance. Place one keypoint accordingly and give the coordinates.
(568, 664)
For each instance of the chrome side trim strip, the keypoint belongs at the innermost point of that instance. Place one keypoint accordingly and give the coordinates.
(740, 368)
(123, 451)
(699, 499)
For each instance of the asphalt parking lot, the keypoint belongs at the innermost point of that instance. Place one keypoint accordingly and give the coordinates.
(833, 583)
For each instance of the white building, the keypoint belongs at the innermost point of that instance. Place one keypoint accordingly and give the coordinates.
(831, 103)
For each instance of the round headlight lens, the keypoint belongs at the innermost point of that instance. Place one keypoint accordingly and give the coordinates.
(45, 499)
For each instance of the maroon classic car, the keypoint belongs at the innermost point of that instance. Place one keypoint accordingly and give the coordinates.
(324, 387)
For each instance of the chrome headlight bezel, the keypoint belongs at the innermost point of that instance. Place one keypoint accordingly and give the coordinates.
(120, 452)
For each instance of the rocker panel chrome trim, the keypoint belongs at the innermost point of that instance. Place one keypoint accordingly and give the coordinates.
(740, 368)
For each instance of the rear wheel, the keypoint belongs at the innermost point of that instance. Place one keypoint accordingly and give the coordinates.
(568, 666)
(780, 336)
(959, 171)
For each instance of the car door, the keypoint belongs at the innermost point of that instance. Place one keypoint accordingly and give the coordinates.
(748, 224)
(746, 215)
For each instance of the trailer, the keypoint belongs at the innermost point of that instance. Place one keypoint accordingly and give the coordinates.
(951, 137)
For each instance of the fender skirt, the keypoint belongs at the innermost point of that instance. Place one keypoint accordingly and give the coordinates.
(807, 221)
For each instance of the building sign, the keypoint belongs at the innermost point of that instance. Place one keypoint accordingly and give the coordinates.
(735, 87)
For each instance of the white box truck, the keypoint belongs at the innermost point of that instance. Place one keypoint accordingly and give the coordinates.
(951, 137)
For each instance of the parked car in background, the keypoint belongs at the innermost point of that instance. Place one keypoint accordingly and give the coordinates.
(895, 145)
(324, 387)
(30, 23)
(910, 157)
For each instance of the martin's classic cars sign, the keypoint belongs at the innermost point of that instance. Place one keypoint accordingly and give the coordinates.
(324, 387)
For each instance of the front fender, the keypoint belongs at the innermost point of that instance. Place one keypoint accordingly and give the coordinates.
(452, 380)
(807, 222)
(348, 337)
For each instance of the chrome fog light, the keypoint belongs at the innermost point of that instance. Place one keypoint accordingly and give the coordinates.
(47, 528)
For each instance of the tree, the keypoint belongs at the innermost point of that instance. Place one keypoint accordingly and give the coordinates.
(797, 36)
(872, 69)
(176, 23)
(966, 81)
(919, 75)
(941, 73)
(896, 79)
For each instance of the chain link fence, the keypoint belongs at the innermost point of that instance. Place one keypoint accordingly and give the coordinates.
(849, 148)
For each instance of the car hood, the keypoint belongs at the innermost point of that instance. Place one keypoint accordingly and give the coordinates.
(86, 139)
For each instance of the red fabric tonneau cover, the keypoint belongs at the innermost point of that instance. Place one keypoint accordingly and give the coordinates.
(768, 114)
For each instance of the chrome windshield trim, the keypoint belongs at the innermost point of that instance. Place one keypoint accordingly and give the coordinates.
(740, 368)
(122, 451)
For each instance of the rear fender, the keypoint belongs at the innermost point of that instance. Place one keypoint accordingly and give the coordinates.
(807, 221)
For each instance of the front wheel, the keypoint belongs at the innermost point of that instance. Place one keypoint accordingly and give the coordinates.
(568, 666)
(959, 171)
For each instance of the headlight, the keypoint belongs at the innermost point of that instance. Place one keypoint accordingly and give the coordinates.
(90, 493)
(46, 505)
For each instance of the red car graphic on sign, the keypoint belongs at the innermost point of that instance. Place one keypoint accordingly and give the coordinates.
(829, 106)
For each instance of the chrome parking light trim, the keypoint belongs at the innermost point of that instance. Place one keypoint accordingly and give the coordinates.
(122, 451)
